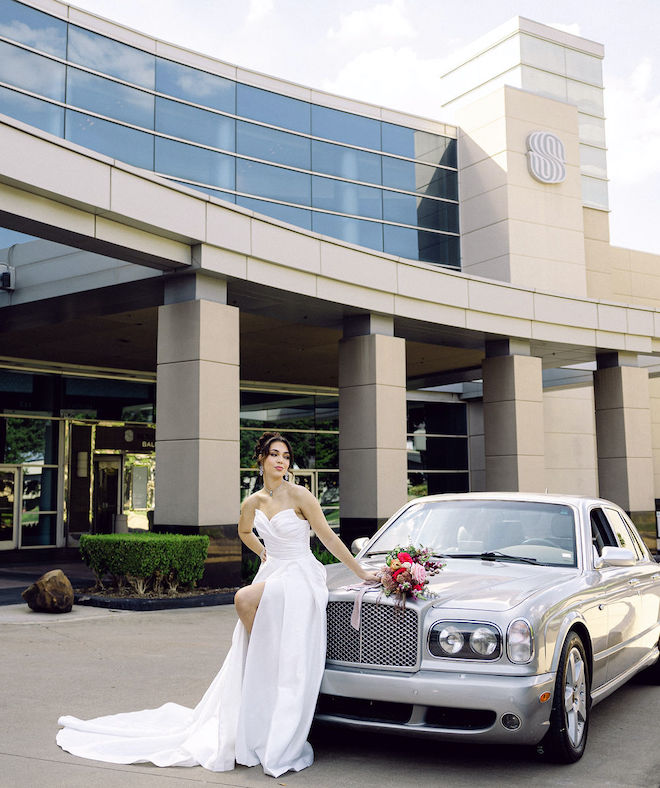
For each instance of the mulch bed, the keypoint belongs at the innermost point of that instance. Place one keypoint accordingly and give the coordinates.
(125, 599)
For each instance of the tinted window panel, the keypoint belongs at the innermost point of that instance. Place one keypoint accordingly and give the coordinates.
(197, 125)
(110, 57)
(420, 245)
(271, 145)
(196, 164)
(226, 196)
(265, 180)
(346, 197)
(285, 213)
(41, 114)
(345, 127)
(440, 418)
(355, 231)
(194, 85)
(272, 108)
(435, 149)
(442, 454)
(399, 140)
(110, 98)
(355, 165)
(432, 181)
(432, 214)
(31, 72)
(32, 27)
(133, 147)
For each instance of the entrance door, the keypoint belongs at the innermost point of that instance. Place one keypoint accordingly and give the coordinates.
(8, 508)
(107, 488)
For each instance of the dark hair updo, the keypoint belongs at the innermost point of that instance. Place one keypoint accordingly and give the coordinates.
(262, 446)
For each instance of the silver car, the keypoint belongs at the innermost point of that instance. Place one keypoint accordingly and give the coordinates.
(545, 606)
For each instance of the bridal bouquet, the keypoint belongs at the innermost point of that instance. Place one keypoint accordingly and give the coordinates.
(407, 570)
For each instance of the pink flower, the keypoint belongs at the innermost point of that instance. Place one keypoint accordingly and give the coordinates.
(418, 574)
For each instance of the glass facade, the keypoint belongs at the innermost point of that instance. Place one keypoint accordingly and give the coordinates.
(388, 187)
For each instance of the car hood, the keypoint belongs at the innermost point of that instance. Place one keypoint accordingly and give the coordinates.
(475, 584)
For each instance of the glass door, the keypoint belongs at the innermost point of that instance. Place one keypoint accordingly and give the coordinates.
(307, 479)
(106, 495)
(8, 507)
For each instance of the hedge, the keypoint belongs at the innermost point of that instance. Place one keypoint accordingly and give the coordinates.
(146, 561)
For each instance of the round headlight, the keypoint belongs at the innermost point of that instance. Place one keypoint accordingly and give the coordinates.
(451, 640)
(483, 641)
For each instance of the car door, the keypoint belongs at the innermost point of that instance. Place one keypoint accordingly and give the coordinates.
(625, 612)
(646, 581)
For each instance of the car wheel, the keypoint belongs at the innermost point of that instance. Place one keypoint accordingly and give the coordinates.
(651, 675)
(569, 718)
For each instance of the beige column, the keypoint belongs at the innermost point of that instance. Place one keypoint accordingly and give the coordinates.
(372, 425)
(513, 418)
(623, 436)
(197, 413)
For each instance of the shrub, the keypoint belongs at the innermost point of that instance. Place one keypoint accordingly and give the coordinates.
(146, 561)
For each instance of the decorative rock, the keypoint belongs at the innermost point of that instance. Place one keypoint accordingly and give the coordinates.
(52, 593)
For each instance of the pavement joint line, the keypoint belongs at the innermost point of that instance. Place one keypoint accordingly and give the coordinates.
(135, 769)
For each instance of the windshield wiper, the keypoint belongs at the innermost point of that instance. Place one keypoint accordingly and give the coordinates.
(495, 555)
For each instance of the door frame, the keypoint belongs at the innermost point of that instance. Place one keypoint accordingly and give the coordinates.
(13, 543)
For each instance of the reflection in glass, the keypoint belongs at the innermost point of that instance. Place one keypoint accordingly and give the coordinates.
(543, 83)
(583, 67)
(194, 85)
(28, 441)
(7, 501)
(595, 192)
(196, 125)
(276, 146)
(110, 98)
(433, 454)
(356, 165)
(346, 197)
(272, 108)
(437, 483)
(33, 28)
(437, 418)
(422, 178)
(421, 245)
(285, 213)
(593, 161)
(41, 114)
(265, 180)
(587, 98)
(432, 214)
(31, 72)
(40, 534)
(39, 492)
(592, 129)
(543, 54)
(119, 142)
(111, 57)
(355, 231)
(226, 196)
(345, 127)
(199, 164)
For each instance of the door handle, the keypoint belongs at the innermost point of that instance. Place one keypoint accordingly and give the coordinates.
(634, 581)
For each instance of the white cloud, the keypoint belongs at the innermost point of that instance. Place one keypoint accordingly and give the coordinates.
(384, 21)
(633, 124)
(392, 77)
(259, 9)
(574, 28)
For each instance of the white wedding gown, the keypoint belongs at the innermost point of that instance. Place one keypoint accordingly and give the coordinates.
(259, 707)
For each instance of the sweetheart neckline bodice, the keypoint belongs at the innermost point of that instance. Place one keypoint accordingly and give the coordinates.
(281, 511)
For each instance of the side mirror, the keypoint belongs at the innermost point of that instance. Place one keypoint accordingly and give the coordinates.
(358, 544)
(617, 556)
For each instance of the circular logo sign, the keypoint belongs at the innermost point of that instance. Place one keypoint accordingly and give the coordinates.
(546, 157)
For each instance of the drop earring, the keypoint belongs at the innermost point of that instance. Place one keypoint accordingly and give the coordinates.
(286, 477)
(261, 470)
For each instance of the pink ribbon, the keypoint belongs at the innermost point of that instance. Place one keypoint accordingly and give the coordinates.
(361, 588)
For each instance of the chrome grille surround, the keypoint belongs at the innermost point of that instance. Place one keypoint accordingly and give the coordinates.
(389, 635)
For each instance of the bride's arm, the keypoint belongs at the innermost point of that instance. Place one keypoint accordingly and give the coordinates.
(245, 529)
(311, 508)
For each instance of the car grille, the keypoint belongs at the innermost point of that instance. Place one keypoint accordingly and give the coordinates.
(388, 635)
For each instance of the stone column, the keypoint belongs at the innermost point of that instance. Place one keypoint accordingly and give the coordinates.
(513, 418)
(197, 415)
(623, 436)
(372, 425)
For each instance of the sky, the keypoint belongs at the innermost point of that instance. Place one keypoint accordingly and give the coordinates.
(392, 53)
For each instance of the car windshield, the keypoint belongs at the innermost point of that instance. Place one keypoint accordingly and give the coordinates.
(491, 530)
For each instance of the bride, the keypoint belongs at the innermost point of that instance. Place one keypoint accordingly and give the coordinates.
(259, 707)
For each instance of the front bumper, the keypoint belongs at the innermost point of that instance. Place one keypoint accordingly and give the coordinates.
(440, 705)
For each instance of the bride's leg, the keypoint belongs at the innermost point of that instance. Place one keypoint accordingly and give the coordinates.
(247, 601)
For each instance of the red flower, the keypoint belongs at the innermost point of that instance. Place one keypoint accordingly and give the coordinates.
(418, 587)
(397, 572)
(405, 558)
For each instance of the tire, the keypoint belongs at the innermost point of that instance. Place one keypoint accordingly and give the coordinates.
(566, 740)
(651, 675)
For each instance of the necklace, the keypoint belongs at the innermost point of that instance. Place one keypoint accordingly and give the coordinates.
(269, 491)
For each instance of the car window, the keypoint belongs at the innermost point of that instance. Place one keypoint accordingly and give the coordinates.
(623, 533)
(602, 534)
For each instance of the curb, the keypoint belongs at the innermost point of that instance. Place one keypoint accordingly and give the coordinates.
(159, 603)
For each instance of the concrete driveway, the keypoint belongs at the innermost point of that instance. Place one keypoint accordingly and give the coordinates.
(91, 662)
